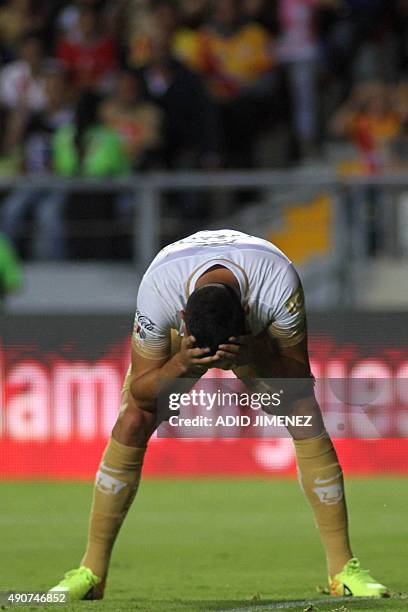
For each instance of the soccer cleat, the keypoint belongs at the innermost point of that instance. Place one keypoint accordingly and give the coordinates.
(356, 582)
(80, 584)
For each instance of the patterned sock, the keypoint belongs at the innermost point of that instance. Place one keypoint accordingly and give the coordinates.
(321, 479)
(116, 485)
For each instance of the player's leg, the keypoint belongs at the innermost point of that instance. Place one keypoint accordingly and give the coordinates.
(320, 475)
(116, 485)
(117, 481)
(321, 479)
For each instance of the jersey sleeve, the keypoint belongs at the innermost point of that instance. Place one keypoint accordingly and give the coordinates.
(152, 327)
(288, 321)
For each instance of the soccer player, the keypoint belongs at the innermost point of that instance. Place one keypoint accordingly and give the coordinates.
(236, 302)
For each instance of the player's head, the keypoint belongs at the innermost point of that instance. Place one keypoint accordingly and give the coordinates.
(213, 314)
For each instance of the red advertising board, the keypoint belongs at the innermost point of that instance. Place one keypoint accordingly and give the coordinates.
(60, 382)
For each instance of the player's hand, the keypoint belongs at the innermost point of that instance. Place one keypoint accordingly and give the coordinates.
(240, 350)
(193, 359)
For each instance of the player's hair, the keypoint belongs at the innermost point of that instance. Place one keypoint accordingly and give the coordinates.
(213, 314)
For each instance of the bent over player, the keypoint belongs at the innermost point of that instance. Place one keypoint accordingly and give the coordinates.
(236, 302)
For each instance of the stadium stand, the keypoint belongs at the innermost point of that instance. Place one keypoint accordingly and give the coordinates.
(180, 85)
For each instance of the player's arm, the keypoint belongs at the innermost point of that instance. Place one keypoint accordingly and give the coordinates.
(153, 365)
(148, 376)
(265, 367)
(284, 361)
(265, 357)
(300, 396)
(280, 351)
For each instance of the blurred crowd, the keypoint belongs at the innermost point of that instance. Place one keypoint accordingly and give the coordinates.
(194, 83)
(101, 88)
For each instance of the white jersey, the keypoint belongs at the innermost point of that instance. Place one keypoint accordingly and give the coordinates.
(268, 283)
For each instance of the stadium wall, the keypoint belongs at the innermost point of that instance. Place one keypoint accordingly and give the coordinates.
(61, 377)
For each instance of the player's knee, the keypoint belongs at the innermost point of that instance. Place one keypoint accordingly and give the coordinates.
(134, 426)
(311, 422)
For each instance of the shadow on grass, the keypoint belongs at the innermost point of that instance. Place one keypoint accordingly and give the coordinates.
(398, 601)
(363, 603)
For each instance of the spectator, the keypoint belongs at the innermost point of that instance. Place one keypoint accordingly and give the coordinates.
(353, 33)
(236, 55)
(298, 55)
(87, 146)
(21, 93)
(399, 34)
(160, 23)
(41, 126)
(22, 81)
(187, 39)
(42, 205)
(371, 122)
(215, 80)
(190, 128)
(136, 18)
(166, 20)
(137, 120)
(262, 12)
(69, 16)
(195, 12)
(400, 144)
(91, 148)
(90, 56)
(10, 272)
(237, 60)
(17, 18)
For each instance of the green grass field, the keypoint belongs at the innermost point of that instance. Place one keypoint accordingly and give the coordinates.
(205, 544)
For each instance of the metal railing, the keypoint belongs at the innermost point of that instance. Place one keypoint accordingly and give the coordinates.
(149, 188)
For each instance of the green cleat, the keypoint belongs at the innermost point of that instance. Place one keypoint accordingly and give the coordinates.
(80, 584)
(356, 582)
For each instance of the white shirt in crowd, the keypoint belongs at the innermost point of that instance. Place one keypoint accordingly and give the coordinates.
(18, 87)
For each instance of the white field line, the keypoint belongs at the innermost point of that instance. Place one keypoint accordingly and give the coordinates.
(290, 605)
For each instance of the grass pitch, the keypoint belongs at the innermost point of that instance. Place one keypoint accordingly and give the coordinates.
(204, 545)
